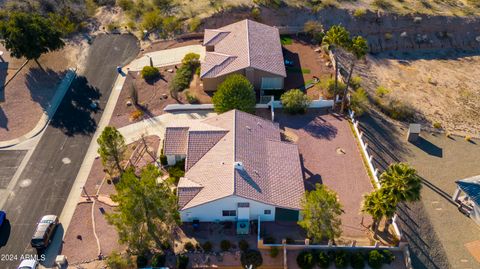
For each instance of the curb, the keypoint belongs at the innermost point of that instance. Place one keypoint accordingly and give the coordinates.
(47, 115)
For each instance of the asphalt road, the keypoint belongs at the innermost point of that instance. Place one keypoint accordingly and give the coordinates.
(45, 183)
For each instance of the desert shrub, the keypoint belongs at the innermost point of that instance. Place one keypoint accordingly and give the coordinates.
(398, 110)
(375, 259)
(359, 101)
(118, 261)
(388, 36)
(171, 25)
(382, 4)
(191, 61)
(274, 252)
(235, 92)
(323, 260)
(158, 260)
(341, 259)
(356, 82)
(468, 138)
(305, 260)
(135, 115)
(252, 258)
(388, 256)
(194, 24)
(295, 101)
(330, 88)
(112, 26)
(269, 3)
(256, 13)
(151, 20)
(381, 91)
(357, 260)
(314, 29)
(359, 12)
(189, 246)
(142, 261)
(207, 246)
(150, 72)
(182, 261)
(437, 125)
(126, 4)
(225, 245)
(243, 245)
(191, 99)
(181, 81)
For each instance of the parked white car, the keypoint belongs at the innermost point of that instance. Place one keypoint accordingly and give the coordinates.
(28, 264)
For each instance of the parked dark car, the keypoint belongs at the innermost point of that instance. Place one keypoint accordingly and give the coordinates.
(44, 232)
(3, 216)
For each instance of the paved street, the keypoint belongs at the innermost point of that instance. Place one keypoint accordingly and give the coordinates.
(45, 183)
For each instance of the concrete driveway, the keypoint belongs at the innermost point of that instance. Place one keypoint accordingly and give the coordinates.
(166, 57)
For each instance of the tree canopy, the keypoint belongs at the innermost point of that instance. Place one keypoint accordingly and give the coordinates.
(30, 35)
(321, 214)
(147, 212)
(295, 101)
(402, 182)
(235, 92)
(112, 149)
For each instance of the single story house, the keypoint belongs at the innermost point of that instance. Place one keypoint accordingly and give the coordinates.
(470, 201)
(237, 168)
(246, 47)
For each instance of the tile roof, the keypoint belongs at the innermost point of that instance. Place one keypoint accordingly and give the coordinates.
(243, 44)
(471, 186)
(175, 141)
(270, 168)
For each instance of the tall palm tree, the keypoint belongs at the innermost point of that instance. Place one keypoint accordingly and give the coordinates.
(336, 37)
(401, 181)
(379, 204)
(359, 48)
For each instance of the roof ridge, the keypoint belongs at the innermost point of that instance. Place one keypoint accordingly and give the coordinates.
(234, 133)
(248, 42)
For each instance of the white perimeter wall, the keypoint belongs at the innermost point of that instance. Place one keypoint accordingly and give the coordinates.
(213, 211)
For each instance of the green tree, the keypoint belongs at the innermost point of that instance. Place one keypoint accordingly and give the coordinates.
(295, 101)
(147, 211)
(29, 35)
(359, 48)
(402, 181)
(112, 149)
(336, 37)
(358, 101)
(235, 92)
(379, 204)
(321, 212)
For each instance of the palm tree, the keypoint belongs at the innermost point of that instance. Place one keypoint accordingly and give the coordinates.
(379, 204)
(359, 48)
(402, 182)
(336, 37)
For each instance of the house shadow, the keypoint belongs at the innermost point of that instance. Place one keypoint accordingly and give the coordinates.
(311, 122)
(39, 81)
(294, 79)
(75, 113)
(309, 179)
(428, 147)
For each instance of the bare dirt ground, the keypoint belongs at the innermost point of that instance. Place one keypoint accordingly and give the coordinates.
(29, 92)
(443, 87)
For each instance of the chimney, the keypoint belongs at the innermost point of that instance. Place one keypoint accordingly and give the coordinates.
(238, 166)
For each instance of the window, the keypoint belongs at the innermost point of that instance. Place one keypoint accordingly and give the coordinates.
(229, 213)
(243, 204)
(267, 212)
(272, 83)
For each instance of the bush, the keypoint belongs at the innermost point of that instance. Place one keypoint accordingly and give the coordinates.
(437, 125)
(468, 138)
(158, 260)
(225, 245)
(243, 245)
(356, 82)
(136, 114)
(305, 260)
(375, 259)
(381, 91)
(323, 260)
(182, 261)
(252, 258)
(191, 99)
(117, 261)
(359, 12)
(194, 24)
(142, 261)
(150, 73)
(341, 259)
(295, 101)
(235, 92)
(274, 252)
(315, 30)
(330, 88)
(191, 60)
(126, 4)
(269, 3)
(189, 246)
(399, 110)
(388, 256)
(359, 101)
(256, 13)
(181, 81)
(207, 246)
(357, 260)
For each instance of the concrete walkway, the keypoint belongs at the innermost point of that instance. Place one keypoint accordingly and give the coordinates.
(166, 57)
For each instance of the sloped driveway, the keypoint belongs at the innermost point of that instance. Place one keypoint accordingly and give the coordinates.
(166, 57)
(330, 156)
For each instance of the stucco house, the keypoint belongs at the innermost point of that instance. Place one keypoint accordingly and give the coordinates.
(237, 169)
(246, 47)
(467, 195)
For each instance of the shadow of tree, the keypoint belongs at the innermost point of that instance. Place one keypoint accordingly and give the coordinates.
(311, 122)
(3, 119)
(75, 114)
(3, 79)
(40, 81)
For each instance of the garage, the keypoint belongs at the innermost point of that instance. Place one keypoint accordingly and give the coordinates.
(282, 214)
(272, 83)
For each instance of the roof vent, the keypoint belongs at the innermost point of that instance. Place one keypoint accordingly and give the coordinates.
(238, 166)
(248, 128)
(259, 124)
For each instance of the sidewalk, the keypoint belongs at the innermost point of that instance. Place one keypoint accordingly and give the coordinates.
(48, 113)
